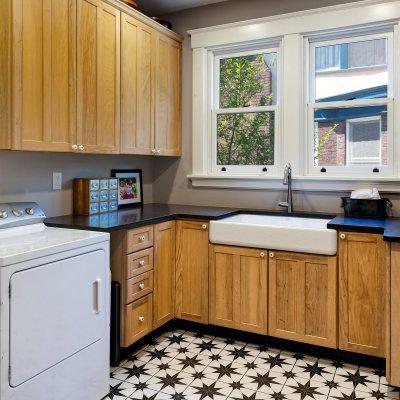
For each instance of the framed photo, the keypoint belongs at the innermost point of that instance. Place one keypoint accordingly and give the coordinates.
(130, 188)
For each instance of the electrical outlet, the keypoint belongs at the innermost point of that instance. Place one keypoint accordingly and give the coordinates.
(57, 180)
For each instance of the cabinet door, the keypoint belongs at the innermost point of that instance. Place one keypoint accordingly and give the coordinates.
(164, 273)
(302, 298)
(168, 97)
(137, 86)
(393, 350)
(192, 271)
(98, 77)
(238, 288)
(363, 267)
(44, 74)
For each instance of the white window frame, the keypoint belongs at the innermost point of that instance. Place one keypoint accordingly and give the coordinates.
(312, 106)
(366, 17)
(349, 122)
(216, 169)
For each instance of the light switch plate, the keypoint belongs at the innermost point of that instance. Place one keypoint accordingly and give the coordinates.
(57, 180)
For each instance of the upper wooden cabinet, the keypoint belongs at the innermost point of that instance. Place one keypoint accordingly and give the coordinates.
(238, 288)
(164, 273)
(137, 86)
(363, 269)
(98, 71)
(74, 77)
(303, 298)
(168, 97)
(44, 47)
(191, 301)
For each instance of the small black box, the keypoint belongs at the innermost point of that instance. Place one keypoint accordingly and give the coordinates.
(365, 208)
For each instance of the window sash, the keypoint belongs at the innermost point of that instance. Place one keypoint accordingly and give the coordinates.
(214, 66)
(312, 106)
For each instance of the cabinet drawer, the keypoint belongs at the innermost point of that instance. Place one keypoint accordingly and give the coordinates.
(139, 286)
(138, 239)
(139, 262)
(138, 320)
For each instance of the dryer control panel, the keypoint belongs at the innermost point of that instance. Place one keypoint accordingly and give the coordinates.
(20, 214)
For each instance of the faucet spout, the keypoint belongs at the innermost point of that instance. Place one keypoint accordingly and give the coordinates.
(287, 180)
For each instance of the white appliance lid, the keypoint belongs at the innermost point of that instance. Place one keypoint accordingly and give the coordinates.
(29, 242)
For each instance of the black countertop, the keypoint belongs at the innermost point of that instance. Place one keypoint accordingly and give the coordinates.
(388, 227)
(135, 217)
(154, 213)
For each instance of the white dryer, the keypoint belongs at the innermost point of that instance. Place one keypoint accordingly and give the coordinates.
(54, 309)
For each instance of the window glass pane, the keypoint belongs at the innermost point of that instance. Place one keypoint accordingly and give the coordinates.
(350, 136)
(248, 80)
(245, 138)
(350, 71)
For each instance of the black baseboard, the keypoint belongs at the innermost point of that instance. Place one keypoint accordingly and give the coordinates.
(287, 345)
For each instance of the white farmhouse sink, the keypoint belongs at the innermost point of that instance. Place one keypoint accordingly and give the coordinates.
(275, 232)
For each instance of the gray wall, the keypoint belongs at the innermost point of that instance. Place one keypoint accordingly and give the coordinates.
(170, 182)
(26, 176)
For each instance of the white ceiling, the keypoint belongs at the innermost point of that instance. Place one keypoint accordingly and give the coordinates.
(159, 7)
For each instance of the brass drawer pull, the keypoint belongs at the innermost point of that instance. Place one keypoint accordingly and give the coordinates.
(204, 227)
(342, 236)
(262, 254)
(142, 238)
(141, 318)
(141, 262)
(271, 255)
(141, 286)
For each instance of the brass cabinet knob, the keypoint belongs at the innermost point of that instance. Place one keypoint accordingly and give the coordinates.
(204, 227)
(342, 236)
(74, 147)
(262, 254)
(142, 238)
(141, 262)
(271, 254)
(81, 147)
(141, 286)
(141, 318)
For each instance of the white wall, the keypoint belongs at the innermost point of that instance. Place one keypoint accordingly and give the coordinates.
(26, 176)
(170, 182)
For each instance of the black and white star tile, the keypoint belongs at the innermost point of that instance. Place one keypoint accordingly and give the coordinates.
(184, 365)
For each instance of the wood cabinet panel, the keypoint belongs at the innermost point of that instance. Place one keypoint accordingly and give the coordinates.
(302, 298)
(98, 77)
(238, 288)
(393, 324)
(363, 267)
(139, 262)
(138, 320)
(139, 238)
(44, 74)
(139, 286)
(137, 86)
(192, 271)
(164, 273)
(168, 96)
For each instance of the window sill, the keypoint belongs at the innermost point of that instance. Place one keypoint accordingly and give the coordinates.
(303, 183)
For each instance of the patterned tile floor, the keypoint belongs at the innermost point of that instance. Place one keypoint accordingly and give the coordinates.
(183, 365)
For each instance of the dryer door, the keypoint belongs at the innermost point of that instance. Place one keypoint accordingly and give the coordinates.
(55, 311)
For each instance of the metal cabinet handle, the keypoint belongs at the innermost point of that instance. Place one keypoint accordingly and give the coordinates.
(271, 254)
(141, 286)
(262, 254)
(141, 318)
(141, 262)
(204, 227)
(342, 236)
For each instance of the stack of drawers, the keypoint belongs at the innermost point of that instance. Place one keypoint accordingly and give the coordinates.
(139, 283)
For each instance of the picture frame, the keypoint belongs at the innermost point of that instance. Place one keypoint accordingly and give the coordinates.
(130, 187)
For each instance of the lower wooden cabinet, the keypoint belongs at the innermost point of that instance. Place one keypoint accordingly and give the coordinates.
(238, 288)
(364, 262)
(138, 320)
(192, 271)
(393, 323)
(164, 273)
(302, 298)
